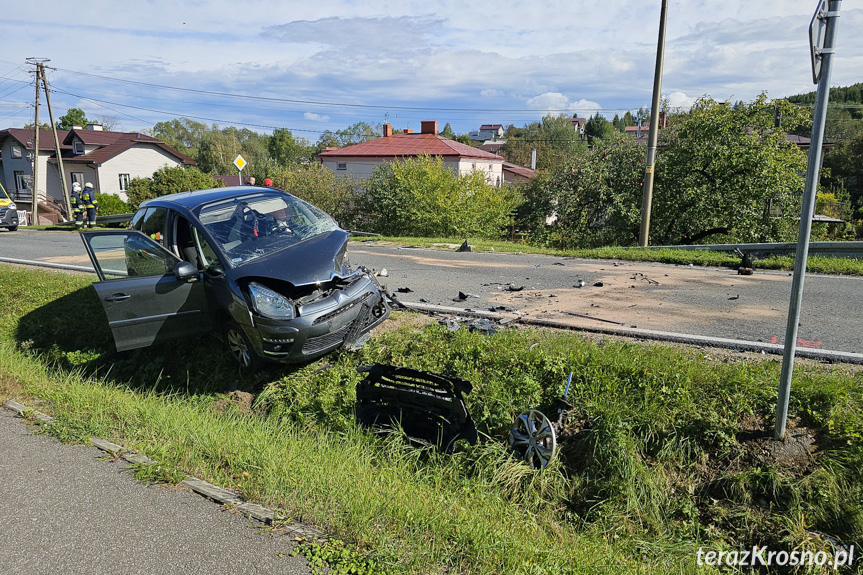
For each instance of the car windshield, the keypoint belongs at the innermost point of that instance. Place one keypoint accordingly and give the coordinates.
(254, 225)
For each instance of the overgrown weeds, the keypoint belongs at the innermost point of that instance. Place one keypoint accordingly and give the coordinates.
(663, 452)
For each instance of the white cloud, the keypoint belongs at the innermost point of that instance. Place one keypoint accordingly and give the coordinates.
(556, 103)
(679, 100)
(410, 58)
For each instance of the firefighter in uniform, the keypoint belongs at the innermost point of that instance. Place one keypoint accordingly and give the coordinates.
(90, 204)
(77, 205)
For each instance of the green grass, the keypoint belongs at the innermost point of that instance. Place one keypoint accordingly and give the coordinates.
(815, 264)
(657, 458)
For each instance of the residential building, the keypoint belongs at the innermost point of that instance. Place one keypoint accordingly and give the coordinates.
(487, 132)
(578, 125)
(360, 159)
(109, 160)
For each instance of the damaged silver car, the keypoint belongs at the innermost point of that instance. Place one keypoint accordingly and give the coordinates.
(262, 269)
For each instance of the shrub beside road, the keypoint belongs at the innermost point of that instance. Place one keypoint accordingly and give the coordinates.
(665, 451)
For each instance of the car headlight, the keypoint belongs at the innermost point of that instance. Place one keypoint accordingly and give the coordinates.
(12, 206)
(269, 303)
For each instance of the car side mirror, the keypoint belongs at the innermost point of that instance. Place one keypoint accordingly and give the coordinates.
(185, 271)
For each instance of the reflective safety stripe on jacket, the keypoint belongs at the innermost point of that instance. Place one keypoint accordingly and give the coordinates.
(89, 199)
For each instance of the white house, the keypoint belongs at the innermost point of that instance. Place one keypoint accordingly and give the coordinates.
(359, 160)
(109, 160)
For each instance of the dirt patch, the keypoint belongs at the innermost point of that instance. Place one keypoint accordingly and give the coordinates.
(241, 400)
(798, 452)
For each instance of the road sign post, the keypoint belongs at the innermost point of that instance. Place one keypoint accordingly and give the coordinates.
(822, 34)
(240, 162)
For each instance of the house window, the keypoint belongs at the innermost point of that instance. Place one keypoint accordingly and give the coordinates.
(78, 147)
(20, 180)
(16, 151)
(124, 181)
(342, 167)
(78, 178)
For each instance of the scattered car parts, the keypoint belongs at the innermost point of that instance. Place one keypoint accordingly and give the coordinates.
(428, 407)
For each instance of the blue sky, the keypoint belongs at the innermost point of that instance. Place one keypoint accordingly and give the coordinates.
(313, 66)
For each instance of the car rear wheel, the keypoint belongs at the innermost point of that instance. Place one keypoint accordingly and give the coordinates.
(240, 348)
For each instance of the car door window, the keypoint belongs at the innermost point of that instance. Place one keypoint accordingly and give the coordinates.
(205, 252)
(120, 255)
(153, 225)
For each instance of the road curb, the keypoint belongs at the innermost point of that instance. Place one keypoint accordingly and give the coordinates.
(685, 338)
(204, 488)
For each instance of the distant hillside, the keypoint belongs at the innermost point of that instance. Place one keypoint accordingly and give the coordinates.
(848, 95)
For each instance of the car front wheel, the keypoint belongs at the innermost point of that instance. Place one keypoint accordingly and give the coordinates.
(240, 348)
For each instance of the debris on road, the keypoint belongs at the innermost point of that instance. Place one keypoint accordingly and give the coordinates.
(558, 264)
(383, 273)
(464, 247)
(580, 284)
(640, 276)
(598, 284)
(404, 290)
(735, 297)
(593, 318)
(511, 287)
(462, 296)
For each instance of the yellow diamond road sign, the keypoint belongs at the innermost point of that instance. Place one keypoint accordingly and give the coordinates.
(240, 162)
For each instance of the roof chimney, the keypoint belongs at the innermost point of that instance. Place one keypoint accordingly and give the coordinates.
(429, 127)
(388, 130)
(95, 127)
(408, 131)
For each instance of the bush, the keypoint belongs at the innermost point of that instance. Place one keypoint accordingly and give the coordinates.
(169, 180)
(321, 187)
(421, 197)
(111, 205)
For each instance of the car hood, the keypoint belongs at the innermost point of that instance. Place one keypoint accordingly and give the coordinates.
(315, 260)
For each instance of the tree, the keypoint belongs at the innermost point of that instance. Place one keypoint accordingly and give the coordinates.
(447, 132)
(358, 133)
(72, 117)
(322, 187)
(597, 127)
(285, 149)
(182, 134)
(728, 170)
(554, 139)
(423, 197)
(168, 180)
(720, 170)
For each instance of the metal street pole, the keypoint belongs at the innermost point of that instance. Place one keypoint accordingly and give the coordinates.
(35, 189)
(825, 56)
(647, 192)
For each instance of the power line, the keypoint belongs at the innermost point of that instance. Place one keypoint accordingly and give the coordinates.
(335, 104)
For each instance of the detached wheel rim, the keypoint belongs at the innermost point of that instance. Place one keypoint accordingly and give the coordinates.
(533, 439)
(239, 348)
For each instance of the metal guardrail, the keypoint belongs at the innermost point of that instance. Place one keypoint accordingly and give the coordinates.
(835, 249)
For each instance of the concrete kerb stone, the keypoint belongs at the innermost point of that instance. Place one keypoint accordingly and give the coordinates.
(213, 492)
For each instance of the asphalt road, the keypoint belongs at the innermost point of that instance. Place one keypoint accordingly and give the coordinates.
(713, 302)
(68, 510)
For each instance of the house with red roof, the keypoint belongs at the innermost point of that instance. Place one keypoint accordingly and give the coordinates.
(360, 159)
(108, 160)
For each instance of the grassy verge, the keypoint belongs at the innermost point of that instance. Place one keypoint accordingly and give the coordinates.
(664, 451)
(815, 264)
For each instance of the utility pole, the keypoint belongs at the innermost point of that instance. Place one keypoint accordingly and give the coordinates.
(822, 38)
(56, 144)
(35, 188)
(647, 191)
